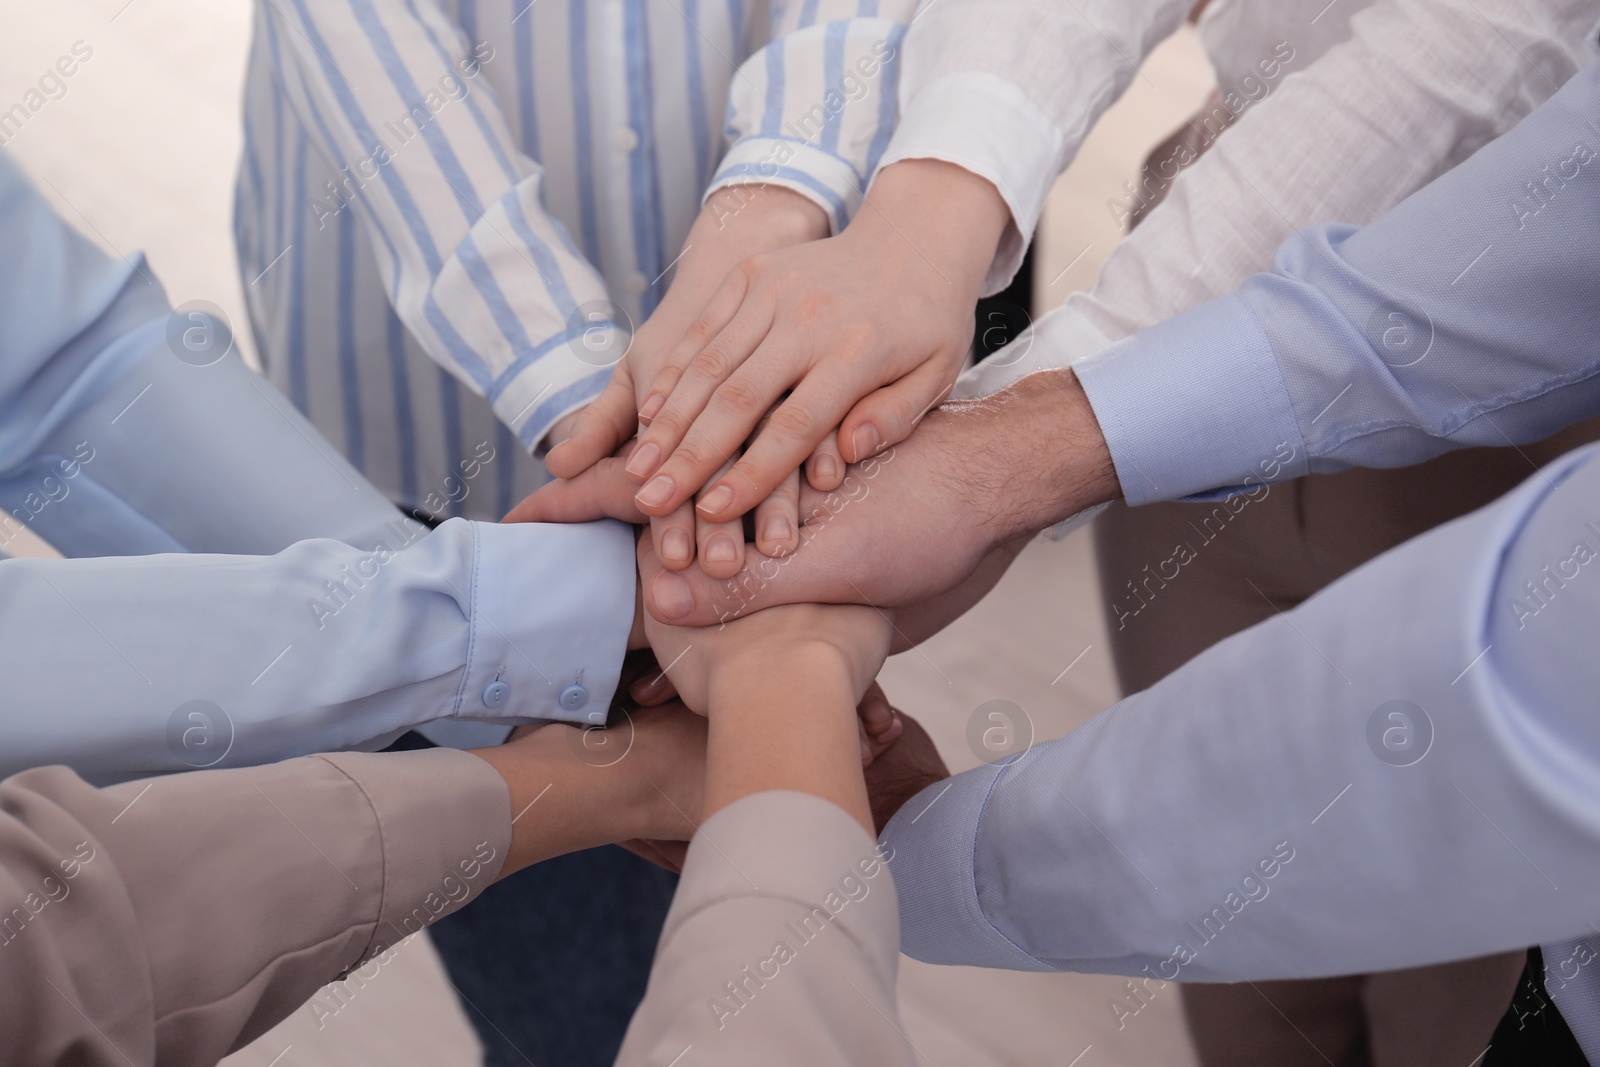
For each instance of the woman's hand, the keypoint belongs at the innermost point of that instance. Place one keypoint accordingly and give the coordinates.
(868, 329)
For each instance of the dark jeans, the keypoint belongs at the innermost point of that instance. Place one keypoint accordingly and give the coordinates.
(551, 962)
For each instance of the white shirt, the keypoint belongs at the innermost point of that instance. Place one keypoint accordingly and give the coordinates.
(1009, 88)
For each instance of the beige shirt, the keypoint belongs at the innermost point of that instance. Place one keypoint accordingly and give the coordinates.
(174, 919)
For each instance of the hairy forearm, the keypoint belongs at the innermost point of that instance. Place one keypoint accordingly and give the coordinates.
(1040, 456)
(785, 723)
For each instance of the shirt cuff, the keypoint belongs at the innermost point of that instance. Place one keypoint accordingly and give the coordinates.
(931, 844)
(531, 401)
(1195, 404)
(561, 662)
(443, 822)
(1058, 339)
(821, 177)
(989, 126)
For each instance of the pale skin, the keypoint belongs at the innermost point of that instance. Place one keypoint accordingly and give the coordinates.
(866, 331)
(780, 690)
(927, 528)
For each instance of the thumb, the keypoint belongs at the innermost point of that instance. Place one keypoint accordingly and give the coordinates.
(601, 428)
(604, 491)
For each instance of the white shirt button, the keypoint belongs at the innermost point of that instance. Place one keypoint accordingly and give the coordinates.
(627, 140)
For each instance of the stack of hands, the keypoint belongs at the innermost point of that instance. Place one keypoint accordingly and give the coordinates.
(761, 426)
(762, 402)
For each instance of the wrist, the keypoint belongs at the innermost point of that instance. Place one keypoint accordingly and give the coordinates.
(1042, 457)
(946, 219)
(809, 669)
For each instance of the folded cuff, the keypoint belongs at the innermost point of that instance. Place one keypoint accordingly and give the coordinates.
(552, 605)
(987, 125)
(1193, 405)
(931, 844)
(444, 824)
(821, 177)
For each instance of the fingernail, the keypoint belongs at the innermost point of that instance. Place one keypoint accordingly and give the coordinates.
(675, 545)
(651, 407)
(647, 687)
(720, 549)
(644, 459)
(826, 467)
(671, 596)
(866, 441)
(777, 530)
(657, 491)
(716, 500)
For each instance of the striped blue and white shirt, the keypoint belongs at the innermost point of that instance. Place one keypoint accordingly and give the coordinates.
(445, 207)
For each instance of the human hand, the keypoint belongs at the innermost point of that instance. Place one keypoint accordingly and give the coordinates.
(587, 797)
(868, 328)
(881, 728)
(928, 526)
(735, 223)
(851, 640)
(904, 770)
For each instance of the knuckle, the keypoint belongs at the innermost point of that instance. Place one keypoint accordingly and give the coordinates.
(713, 364)
(861, 335)
(700, 331)
(899, 411)
(741, 397)
(794, 421)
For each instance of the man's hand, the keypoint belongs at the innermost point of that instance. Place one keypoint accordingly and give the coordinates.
(906, 528)
(852, 641)
(903, 771)
(869, 329)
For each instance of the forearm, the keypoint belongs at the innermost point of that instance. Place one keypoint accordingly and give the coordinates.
(1286, 775)
(1428, 82)
(266, 882)
(1460, 317)
(1038, 455)
(943, 220)
(785, 722)
(324, 645)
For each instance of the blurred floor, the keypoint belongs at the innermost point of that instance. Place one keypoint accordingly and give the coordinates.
(139, 153)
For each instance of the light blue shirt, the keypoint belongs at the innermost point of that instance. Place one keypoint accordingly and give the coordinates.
(331, 622)
(1405, 769)
(450, 212)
